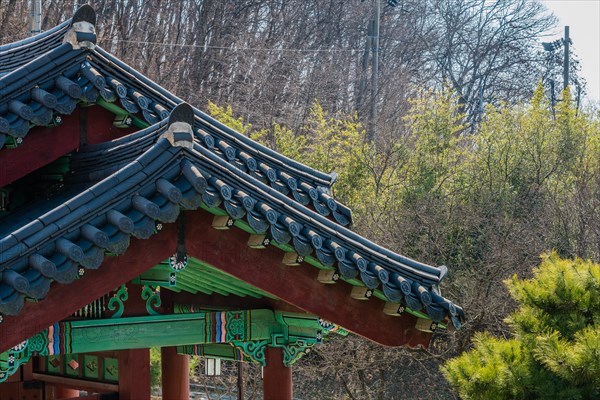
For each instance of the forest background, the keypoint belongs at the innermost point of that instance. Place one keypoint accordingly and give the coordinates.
(475, 164)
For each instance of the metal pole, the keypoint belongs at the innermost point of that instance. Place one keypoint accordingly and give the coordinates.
(240, 381)
(36, 17)
(362, 88)
(566, 62)
(375, 73)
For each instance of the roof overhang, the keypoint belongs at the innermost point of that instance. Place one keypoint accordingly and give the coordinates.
(227, 250)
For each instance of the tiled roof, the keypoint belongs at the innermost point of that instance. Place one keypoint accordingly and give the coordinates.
(16, 54)
(54, 82)
(124, 187)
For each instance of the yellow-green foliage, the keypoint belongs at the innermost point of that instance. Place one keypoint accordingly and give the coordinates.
(556, 350)
(484, 200)
(457, 187)
(225, 116)
(435, 125)
(155, 368)
(283, 140)
(495, 369)
(336, 143)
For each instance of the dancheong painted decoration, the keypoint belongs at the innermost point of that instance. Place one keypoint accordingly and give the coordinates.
(129, 219)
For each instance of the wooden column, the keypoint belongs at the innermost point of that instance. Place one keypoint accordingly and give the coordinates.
(277, 378)
(134, 374)
(56, 392)
(175, 374)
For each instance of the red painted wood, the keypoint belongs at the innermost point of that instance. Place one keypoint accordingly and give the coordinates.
(75, 383)
(175, 374)
(27, 370)
(100, 125)
(60, 392)
(227, 250)
(277, 378)
(42, 145)
(63, 300)
(134, 374)
(10, 390)
(96, 396)
(135, 304)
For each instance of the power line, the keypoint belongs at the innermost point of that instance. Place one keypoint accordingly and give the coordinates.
(232, 48)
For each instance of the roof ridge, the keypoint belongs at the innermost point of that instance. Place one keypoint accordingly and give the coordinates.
(327, 179)
(80, 28)
(36, 39)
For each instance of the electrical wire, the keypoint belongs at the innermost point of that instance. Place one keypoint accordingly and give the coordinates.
(232, 48)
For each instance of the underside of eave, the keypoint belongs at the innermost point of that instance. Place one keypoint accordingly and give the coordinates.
(45, 144)
(228, 251)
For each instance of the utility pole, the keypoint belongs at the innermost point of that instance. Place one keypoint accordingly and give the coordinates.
(362, 86)
(35, 15)
(566, 60)
(374, 73)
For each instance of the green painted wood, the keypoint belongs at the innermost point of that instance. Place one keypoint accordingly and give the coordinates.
(223, 283)
(227, 278)
(115, 109)
(191, 288)
(202, 285)
(248, 330)
(87, 336)
(110, 369)
(131, 334)
(221, 351)
(220, 285)
(200, 276)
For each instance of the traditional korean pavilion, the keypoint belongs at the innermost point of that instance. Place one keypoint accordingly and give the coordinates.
(129, 220)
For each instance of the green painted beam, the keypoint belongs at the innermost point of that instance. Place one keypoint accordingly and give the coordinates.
(211, 332)
(221, 351)
(86, 336)
(189, 282)
(115, 109)
(201, 275)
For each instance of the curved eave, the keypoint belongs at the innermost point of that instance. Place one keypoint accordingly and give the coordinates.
(154, 90)
(15, 54)
(153, 187)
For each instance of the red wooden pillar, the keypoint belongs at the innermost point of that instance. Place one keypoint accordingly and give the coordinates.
(277, 378)
(175, 374)
(60, 392)
(134, 374)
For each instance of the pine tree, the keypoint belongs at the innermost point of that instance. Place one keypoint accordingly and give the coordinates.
(555, 352)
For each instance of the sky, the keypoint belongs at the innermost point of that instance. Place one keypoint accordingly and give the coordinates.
(583, 19)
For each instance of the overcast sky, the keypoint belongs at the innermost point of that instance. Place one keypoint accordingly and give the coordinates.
(583, 19)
